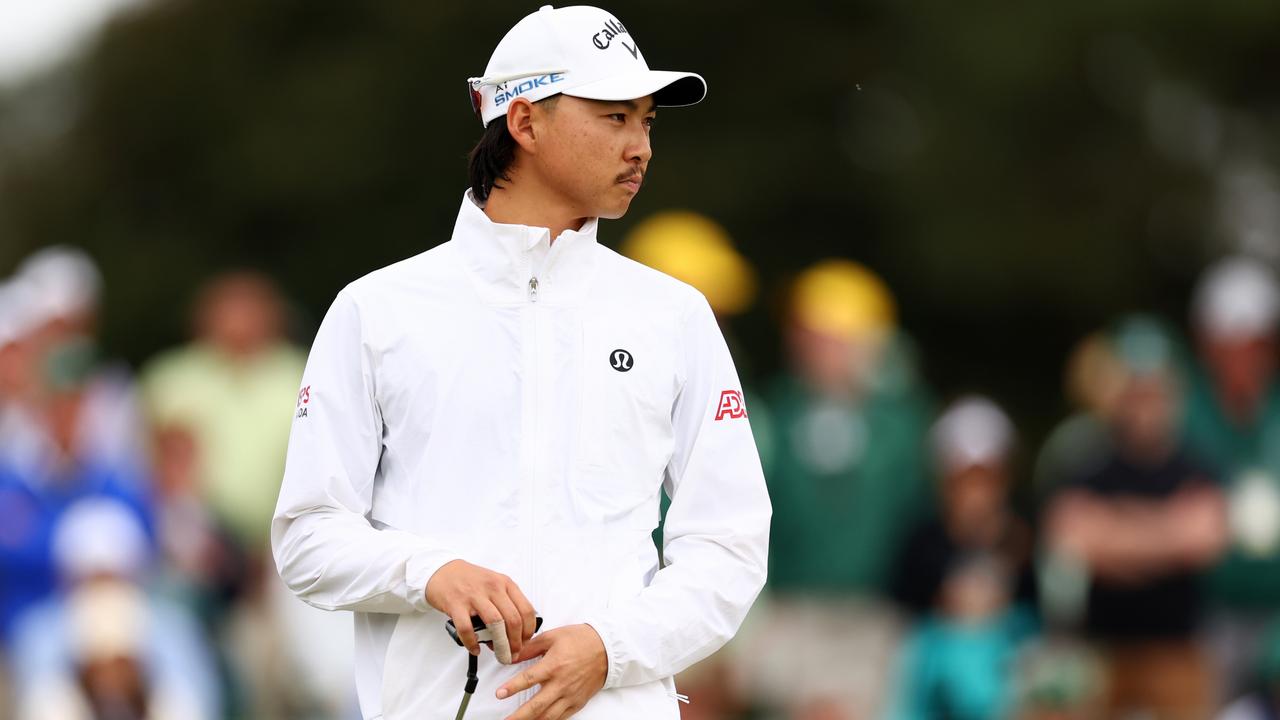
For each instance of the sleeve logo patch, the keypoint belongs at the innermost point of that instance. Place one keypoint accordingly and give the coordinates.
(304, 399)
(731, 405)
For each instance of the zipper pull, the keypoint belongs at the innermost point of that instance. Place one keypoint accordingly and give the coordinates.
(533, 289)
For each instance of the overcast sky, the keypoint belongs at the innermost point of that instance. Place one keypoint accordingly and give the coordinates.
(37, 33)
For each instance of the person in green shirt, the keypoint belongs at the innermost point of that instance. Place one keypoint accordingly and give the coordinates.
(847, 479)
(1232, 424)
(233, 391)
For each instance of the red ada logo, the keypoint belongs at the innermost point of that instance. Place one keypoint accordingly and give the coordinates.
(731, 406)
(304, 398)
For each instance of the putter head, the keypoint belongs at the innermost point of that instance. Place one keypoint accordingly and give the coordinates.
(483, 634)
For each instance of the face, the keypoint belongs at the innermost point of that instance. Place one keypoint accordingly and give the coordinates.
(1146, 415)
(832, 363)
(1242, 367)
(973, 495)
(592, 154)
(240, 314)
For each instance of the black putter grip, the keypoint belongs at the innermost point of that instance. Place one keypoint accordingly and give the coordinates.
(477, 625)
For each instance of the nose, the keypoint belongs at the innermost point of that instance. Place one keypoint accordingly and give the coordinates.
(638, 149)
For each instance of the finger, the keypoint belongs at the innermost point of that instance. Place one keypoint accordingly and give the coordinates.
(529, 616)
(492, 619)
(461, 617)
(539, 645)
(537, 705)
(523, 680)
(511, 630)
(501, 641)
(559, 709)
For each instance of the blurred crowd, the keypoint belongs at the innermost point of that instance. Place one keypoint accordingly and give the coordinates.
(1132, 570)
(135, 577)
(918, 572)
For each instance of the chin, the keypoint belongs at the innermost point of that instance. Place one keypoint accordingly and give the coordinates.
(614, 212)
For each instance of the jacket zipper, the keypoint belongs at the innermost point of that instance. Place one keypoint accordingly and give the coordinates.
(530, 499)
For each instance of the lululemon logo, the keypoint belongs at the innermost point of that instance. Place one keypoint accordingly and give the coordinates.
(620, 360)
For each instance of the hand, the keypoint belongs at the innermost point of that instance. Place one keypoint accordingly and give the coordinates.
(1197, 522)
(572, 670)
(459, 589)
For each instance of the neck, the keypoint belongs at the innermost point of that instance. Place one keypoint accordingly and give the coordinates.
(528, 205)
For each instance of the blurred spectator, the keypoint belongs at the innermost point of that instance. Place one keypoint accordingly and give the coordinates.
(963, 571)
(107, 649)
(956, 664)
(60, 287)
(972, 443)
(232, 390)
(846, 483)
(1144, 525)
(1233, 422)
(1081, 441)
(35, 493)
(221, 408)
(69, 426)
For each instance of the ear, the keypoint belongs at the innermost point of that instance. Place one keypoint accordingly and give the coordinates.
(520, 124)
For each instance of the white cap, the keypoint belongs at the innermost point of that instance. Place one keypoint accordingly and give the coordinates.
(580, 51)
(17, 311)
(972, 431)
(64, 281)
(1237, 297)
(99, 536)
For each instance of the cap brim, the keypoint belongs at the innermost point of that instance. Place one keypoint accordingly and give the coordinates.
(669, 89)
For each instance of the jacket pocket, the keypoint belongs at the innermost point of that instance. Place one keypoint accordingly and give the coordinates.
(603, 496)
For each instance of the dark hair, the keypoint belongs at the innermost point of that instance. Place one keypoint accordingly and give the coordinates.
(491, 158)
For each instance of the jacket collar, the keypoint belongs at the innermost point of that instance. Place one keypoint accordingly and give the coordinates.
(502, 258)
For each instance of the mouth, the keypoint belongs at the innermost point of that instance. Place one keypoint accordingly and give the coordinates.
(631, 181)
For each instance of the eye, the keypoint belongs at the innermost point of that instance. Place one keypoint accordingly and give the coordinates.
(618, 117)
(649, 121)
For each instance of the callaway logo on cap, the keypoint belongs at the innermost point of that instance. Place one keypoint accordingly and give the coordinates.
(580, 51)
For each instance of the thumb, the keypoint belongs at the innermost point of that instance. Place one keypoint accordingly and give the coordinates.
(538, 645)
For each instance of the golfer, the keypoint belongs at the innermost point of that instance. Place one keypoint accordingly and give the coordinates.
(485, 428)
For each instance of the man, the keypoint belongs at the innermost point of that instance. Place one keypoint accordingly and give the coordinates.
(224, 390)
(1144, 524)
(847, 480)
(1232, 421)
(484, 429)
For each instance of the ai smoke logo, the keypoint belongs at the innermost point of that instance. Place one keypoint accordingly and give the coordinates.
(613, 29)
(620, 360)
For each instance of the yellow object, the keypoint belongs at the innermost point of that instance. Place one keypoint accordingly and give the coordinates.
(842, 298)
(695, 249)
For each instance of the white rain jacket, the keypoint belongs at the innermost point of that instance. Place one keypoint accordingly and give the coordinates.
(518, 404)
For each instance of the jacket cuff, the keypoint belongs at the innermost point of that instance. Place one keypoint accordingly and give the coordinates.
(612, 650)
(418, 571)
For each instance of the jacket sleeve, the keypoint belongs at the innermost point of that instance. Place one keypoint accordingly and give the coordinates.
(717, 528)
(325, 548)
